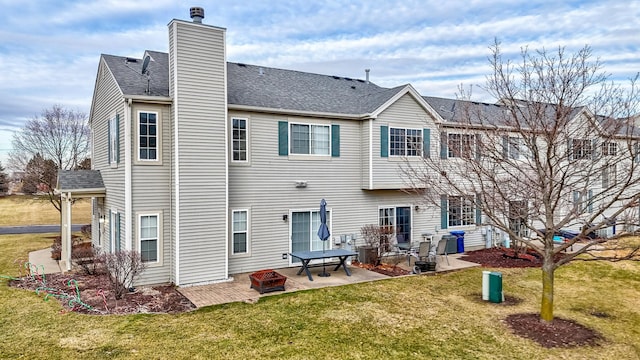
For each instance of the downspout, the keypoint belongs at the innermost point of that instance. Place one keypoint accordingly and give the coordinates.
(127, 176)
(176, 155)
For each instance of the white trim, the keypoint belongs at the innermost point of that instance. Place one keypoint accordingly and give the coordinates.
(408, 89)
(260, 109)
(421, 155)
(310, 125)
(176, 156)
(226, 154)
(309, 210)
(113, 213)
(395, 217)
(127, 176)
(370, 153)
(247, 231)
(113, 153)
(159, 236)
(246, 161)
(158, 159)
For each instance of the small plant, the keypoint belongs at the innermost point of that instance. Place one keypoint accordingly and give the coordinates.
(371, 234)
(88, 259)
(85, 232)
(123, 267)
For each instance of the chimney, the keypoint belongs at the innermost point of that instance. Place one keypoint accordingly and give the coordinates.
(197, 14)
(367, 74)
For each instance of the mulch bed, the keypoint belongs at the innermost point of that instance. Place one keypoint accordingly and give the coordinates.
(558, 333)
(382, 268)
(96, 296)
(504, 258)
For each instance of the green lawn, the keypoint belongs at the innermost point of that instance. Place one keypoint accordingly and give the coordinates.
(404, 318)
(37, 210)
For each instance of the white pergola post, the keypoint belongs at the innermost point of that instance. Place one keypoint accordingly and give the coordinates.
(65, 231)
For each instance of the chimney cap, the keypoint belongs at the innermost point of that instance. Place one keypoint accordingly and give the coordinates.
(197, 14)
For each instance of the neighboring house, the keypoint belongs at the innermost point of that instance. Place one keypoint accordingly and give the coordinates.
(210, 168)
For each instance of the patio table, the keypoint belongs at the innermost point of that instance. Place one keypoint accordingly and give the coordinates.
(307, 256)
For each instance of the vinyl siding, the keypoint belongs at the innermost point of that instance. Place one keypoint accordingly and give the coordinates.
(267, 187)
(107, 102)
(151, 191)
(404, 113)
(199, 91)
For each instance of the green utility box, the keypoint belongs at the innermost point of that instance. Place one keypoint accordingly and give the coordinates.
(495, 287)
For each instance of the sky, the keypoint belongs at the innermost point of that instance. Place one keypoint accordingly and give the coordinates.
(49, 50)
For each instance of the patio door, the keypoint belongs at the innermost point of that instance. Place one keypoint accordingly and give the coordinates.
(304, 231)
(398, 219)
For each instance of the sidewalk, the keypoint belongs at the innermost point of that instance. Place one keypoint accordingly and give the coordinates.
(43, 258)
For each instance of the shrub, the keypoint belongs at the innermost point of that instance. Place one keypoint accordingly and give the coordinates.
(87, 258)
(123, 267)
(85, 230)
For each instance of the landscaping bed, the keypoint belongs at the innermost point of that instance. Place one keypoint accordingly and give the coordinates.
(94, 295)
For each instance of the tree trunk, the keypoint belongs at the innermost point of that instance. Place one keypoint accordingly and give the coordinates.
(546, 308)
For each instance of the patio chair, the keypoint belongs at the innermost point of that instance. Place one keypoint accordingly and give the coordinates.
(442, 249)
(424, 251)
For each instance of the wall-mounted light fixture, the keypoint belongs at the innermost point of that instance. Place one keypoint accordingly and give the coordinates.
(417, 208)
(285, 217)
(301, 184)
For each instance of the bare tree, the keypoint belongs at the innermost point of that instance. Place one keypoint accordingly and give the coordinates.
(4, 181)
(558, 151)
(59, 135)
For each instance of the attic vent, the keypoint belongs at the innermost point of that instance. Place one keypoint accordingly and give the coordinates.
(360, 80)
(353, 87)
(348, 79)
(128, 60)
(242, 65)
(336, 77)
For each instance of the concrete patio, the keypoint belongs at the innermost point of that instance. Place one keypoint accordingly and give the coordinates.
(238, 289)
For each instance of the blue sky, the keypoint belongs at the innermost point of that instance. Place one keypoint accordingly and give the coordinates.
(49, 50)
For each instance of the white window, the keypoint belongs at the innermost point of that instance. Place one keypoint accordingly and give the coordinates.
(405, 142)
(582, 201)
(461, 211)
(240, 220)
(149, 237)
(515, 148)
(609, 148)
(114, 140)
(147, 136)
(114, 231)
(310, 139)
(239, 139)
(461, 145)
(580, 149)
(609, 175)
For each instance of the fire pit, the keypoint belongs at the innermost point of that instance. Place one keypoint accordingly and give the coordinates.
(267, 280)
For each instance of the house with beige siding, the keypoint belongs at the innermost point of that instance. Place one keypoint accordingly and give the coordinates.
(210, 168)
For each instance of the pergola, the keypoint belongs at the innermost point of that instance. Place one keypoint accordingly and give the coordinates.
(75, 184)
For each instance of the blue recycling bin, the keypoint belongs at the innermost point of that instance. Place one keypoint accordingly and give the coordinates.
(460, 239)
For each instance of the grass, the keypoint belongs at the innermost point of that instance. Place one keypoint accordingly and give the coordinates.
(18, 210)
(402, 318)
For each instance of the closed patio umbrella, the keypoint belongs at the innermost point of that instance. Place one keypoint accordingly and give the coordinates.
(323, 233)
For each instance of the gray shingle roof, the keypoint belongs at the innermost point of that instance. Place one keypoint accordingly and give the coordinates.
(79, 180)
(264, 87)
(129, 76)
